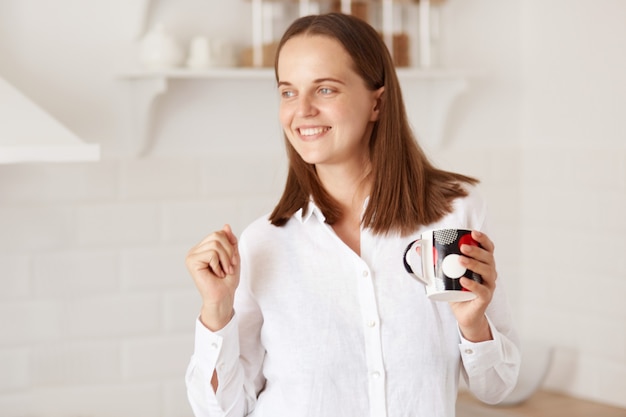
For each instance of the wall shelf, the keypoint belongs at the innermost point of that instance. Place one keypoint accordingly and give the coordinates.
(268, 73)
(428, 95)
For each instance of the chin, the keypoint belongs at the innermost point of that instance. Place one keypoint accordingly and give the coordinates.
(311, 161)
(310, 157)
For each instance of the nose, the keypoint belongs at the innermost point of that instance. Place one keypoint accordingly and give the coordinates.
(306, 106)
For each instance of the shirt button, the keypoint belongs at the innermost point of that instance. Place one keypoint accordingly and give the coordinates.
(371, 323)
(365, 273)
(214, 345)
(469, 351)
(375, 375)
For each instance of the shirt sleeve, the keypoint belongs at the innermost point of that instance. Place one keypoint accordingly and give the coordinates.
(235, 353)
(216, 352)
(491, 368)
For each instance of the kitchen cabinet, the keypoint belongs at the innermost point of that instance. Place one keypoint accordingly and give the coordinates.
(30, 134)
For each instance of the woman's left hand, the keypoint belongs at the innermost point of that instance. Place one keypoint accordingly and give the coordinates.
(470, 315)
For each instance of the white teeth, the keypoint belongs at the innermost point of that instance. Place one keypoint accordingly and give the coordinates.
(312, 131)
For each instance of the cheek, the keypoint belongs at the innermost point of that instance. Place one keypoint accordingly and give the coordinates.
(284, 116)
(285, 119)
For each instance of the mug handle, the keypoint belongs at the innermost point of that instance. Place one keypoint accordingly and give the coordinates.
(408, 266)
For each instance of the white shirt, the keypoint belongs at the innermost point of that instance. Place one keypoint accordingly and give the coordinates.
(321, 332)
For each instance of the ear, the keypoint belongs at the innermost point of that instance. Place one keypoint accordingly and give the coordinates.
(377, 96)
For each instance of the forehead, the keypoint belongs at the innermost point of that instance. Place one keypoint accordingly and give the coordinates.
(313, 53)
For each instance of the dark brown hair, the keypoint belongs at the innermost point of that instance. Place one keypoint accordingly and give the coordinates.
(407, 190)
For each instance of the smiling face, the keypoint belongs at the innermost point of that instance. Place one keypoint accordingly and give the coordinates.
(326, 110)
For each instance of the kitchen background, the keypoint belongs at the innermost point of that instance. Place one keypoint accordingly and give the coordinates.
(96, 307)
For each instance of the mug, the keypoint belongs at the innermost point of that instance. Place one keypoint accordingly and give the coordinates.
(206, 53)
(441, 271)
(200, 55)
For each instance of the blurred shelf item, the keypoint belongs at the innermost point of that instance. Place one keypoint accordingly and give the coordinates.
(29, 134)
(409, 27)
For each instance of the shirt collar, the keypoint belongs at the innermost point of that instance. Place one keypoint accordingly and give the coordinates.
(312, 209)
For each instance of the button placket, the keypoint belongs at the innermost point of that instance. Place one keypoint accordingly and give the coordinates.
(373, 342)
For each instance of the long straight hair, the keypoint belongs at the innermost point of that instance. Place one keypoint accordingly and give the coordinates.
(408, 190)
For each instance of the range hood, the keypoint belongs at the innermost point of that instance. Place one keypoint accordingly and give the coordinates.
(29, 134)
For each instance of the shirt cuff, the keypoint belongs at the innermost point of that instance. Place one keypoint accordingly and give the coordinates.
(217, 350)
(479, 356)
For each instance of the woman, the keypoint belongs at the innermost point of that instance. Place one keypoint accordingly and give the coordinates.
(311, 312)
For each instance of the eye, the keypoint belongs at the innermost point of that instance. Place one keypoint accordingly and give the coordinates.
(287, 93)
(326, 91)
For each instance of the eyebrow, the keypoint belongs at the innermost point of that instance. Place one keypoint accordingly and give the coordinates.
(316, 81)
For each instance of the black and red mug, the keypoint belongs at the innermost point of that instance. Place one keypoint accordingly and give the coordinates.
(441, 271)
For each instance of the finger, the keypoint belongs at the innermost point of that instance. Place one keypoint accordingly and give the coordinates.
(229, 233)
(215, 265)
(480, 290)
(477, 253)
(221, 259)
(224, 237)
(486, 270)
(220, 236)
(216, 255)
(205, 260)
(484, 240)
(233, 241)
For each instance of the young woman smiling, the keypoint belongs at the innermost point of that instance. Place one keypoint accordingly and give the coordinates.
(311, 312)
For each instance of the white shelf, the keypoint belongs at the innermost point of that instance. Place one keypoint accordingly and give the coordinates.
(212, 73)
(428, 95)
(29, 134)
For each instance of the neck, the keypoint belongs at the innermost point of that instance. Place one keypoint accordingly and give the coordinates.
(348, 187)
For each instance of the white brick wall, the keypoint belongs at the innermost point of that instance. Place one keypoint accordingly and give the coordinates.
(178, 307)
(156, 358)
(97, 309)
(113, 224)
(574, 266)
(14, 276)
(30, 322)
(95, 400)
(15, 366)
(75, 272)
(112, 316)
(75, 363)
(29, 227)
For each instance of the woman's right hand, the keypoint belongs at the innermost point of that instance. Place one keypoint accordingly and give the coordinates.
(214, 266)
